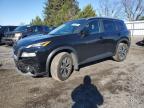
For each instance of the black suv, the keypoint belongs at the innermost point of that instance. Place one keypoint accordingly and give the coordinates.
(4, 30)
(24, 31)
(70, 45)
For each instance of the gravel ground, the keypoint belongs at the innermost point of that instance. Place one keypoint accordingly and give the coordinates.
(103, 84)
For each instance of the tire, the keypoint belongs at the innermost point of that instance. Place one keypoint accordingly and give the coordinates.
(61, 66)
(121, 52)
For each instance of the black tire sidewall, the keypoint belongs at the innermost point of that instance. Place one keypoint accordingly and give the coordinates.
(59, 64)
(119, 46)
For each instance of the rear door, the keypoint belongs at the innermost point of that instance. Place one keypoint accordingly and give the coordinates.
(109, 35)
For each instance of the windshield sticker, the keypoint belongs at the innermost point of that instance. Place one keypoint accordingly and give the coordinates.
(75, 24)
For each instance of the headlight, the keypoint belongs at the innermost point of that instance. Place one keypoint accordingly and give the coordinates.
(25, 54)
(18, 35)
(39, 44)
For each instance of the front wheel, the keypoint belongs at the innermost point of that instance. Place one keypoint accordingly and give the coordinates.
(121, 52)
(61, 66)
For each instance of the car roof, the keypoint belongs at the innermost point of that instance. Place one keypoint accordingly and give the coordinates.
(92, 18)
(102, 18)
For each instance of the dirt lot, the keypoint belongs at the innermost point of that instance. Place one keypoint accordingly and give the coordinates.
(113, 85)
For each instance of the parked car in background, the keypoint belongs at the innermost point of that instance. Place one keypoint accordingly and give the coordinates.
(143, 41)
(4, 30)
(24, 31)
(70, 45)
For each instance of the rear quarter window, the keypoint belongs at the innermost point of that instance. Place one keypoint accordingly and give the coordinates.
(109, 26)
(121, 25)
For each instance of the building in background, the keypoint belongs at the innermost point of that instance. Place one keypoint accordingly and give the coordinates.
(136, 28)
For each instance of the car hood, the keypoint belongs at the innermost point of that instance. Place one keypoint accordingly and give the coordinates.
(32, 40)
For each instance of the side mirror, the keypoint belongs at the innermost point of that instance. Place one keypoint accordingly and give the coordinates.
(84, 32)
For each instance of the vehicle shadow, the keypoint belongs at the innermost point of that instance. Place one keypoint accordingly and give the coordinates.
(140, 43)
(86, 95)
(95, 62)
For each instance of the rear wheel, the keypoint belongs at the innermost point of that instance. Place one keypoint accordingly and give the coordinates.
(61, 66)
(121, 52)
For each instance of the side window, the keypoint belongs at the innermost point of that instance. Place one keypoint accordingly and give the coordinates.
(109, 26)
(46, 29)
(6, 29)
(93, 27)
(12, 28)
(39, 29)
(30, 29)
(35, 28)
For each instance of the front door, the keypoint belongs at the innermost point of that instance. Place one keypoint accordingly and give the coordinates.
(91, 45)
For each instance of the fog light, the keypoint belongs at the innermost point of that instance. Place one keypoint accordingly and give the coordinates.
(25, 54)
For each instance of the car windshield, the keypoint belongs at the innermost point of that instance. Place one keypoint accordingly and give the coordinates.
(71, 27)
(22, 28)
(0, 28)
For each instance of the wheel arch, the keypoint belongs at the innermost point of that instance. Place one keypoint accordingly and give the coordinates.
(69, 50)
(122, 40)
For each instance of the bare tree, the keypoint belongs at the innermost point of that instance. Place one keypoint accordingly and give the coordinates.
(133, 9)
(109, 8)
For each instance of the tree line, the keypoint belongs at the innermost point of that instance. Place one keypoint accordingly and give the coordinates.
(56, 12)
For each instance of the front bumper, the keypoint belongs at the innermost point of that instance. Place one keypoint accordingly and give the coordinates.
(34, 65)
(27, 65)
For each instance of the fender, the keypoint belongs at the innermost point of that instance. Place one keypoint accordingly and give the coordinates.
(60, 49)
